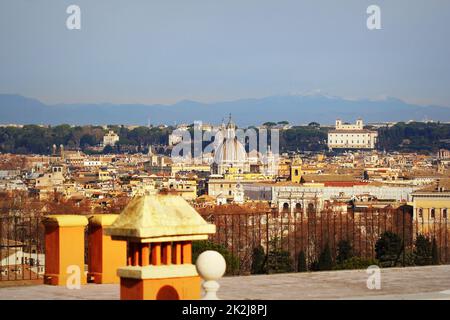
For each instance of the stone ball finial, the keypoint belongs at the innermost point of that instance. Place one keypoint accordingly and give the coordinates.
(211, 266)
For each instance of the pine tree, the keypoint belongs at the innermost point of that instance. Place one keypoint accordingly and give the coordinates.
(422, 250)
(278, 260)
(365, 175)
(302, 262)
(344, 251)
(434, 253)
(388, 249)
(258, 260)
(325, 259)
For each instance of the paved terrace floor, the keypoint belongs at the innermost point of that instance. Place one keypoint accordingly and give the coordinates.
(431, 282)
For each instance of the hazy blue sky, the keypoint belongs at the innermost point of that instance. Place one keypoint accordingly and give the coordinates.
(211, 50)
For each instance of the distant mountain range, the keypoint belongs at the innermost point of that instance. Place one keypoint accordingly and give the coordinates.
(297, 109)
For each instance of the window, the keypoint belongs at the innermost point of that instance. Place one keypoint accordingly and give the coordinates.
(444, 213)
(420, 213)
(432, 213)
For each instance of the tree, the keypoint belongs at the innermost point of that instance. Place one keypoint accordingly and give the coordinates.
(434, 253)
(36, 139)
(325, 259)
(366, 175)
(198, 247)
(87, 140)
(314, 124)
(258, 260)
(269, 124)
(302, 267)
(278, 260)
(344, 251)
(422, 250)
(284, 122)
(388, 249)
(414, 136)
(108, 149)
(304, 138)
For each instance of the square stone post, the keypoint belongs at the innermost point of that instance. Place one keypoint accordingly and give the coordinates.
(104, 254)
(64, 249)
(152, 226)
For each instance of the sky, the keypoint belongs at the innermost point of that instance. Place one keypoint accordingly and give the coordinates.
(147, 51)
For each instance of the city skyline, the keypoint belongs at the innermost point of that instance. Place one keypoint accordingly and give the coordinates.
(301, 148)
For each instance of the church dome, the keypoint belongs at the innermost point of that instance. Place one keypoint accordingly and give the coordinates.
(230, 152)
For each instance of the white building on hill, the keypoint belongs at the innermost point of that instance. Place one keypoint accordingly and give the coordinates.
(351, 136)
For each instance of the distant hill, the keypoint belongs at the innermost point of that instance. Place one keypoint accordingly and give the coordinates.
(297, 109)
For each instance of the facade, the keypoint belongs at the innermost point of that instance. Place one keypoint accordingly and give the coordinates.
(271, 192)
(351, 136)
(443, 154)
(296, 170)
(51, 180)
(299, 202)
(431, 205)
(221, 188)
(110, 139)
(187, 188)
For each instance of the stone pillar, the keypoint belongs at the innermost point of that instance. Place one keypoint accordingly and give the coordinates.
(211, 266)
(64, 248)
(105, 255)
(155, 277)
(159, 230)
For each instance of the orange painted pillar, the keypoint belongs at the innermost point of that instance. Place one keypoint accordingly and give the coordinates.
(186, 247)
(167, 253)
(64, 249)
(156, 254)
(177, 253)
(159, 230)
(105, 255)
(145, 254)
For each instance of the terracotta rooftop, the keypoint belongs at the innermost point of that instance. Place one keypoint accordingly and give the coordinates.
(329, 178)
(443, 183)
